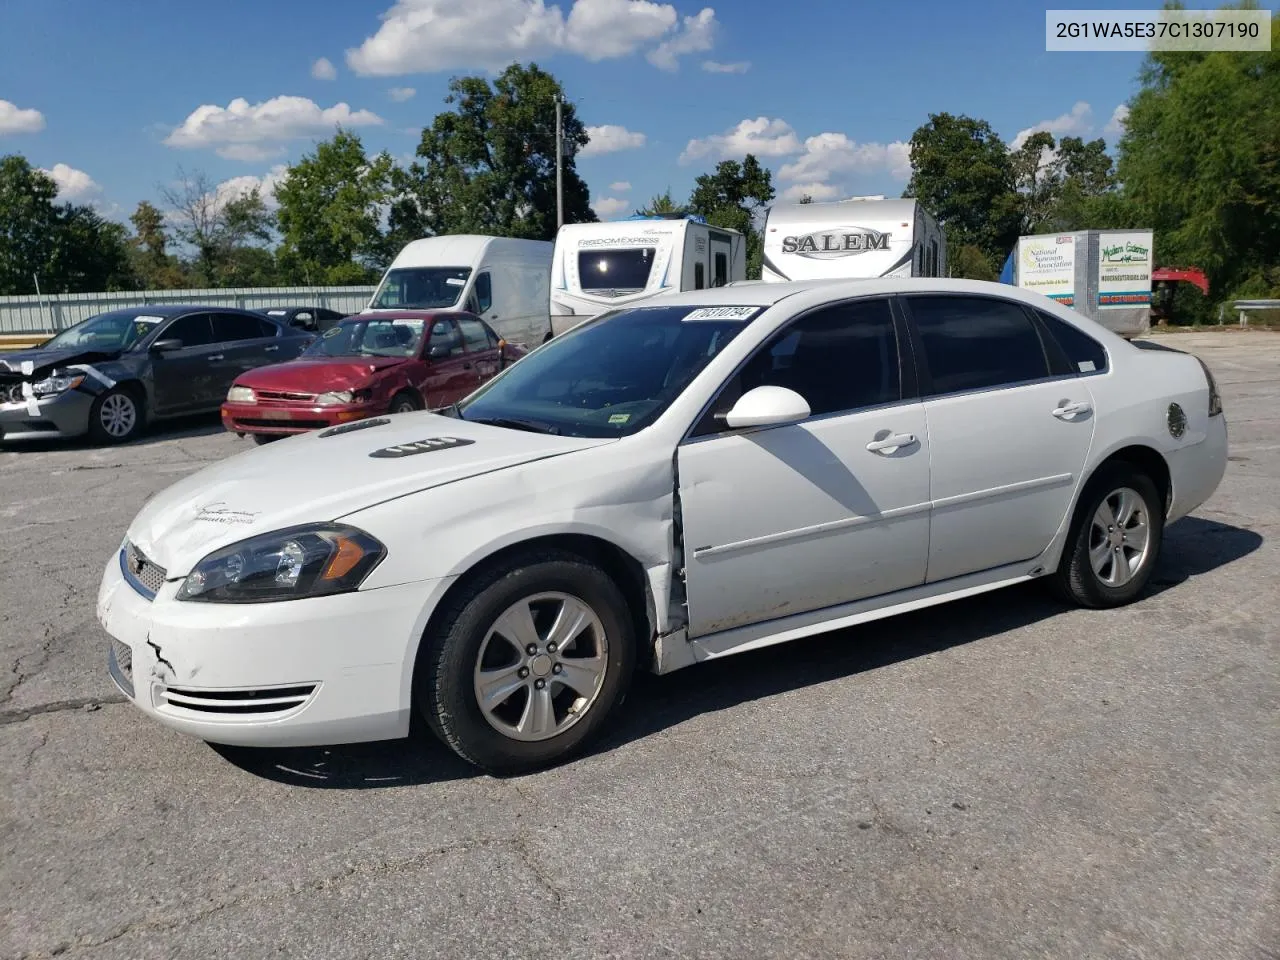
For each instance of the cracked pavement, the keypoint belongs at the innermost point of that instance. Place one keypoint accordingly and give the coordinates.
(996, 778)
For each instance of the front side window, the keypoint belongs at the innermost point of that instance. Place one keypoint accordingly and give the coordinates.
(610, 376)
(977, 343)
(446, 340)
(370, 338)
(484, 293)
(421, 288)
(840, 359)
(474, 334)
(194, 330)
(617, 270)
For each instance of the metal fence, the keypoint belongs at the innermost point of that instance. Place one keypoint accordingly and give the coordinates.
(49, 314)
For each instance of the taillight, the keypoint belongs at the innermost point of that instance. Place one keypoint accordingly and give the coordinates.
(1215, 398)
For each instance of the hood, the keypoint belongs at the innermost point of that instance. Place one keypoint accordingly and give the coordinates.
(321, 476)
(316, 374)
(42, 361)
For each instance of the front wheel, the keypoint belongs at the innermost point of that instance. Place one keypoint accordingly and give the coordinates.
(404, 403)
(1114, 542)
(528, 663)
(116, 416)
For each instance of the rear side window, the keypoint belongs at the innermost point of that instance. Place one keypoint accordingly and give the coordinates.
(977, 343)
(1086, 354)
(236, 326)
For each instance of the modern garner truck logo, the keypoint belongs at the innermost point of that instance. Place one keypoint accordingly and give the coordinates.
(838, 242)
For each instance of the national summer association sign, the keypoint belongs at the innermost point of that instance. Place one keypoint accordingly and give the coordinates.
(1048, 266)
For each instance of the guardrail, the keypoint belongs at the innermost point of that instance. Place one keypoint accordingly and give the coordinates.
(1243, 307)
(50, 313)
(22, 340)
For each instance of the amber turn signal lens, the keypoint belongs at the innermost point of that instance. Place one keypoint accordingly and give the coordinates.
(349, 553)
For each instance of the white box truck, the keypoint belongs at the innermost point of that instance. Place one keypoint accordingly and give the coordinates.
(854, 238)
(502, 280)
(599, 267)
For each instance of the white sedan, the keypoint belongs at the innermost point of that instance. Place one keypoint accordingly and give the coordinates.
(703, 474)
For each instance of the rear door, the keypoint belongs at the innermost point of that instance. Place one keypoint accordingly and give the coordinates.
(1009, 431)
(246, 342)
(450, 369)
(186, 379)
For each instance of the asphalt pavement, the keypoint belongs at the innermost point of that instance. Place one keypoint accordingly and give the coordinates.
(998, 778)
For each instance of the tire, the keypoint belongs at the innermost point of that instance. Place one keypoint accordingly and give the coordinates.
(117, 416)
(404, 402)
(262, 438)
(470, 639)
(1099, 580)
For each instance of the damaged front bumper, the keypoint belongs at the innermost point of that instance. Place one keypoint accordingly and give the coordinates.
(325, 670)
(46, 418)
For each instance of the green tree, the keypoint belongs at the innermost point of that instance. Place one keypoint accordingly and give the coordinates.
(963, 174)
(970, 263)
(155, 267)
(71, 248)
(1200, 164)
(488, 164)
(215, 226)
(662, 204)
(331, 207)
(733, 196)
(1036, 180)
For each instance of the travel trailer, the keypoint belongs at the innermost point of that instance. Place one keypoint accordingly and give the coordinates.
(1103, 274)
(601, 266)
(503, 281)
(858, 237)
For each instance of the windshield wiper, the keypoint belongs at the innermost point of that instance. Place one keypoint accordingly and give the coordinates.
(514, 423)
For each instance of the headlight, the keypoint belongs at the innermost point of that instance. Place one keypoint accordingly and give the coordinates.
(337, 396)
(58, 383)
(241, 395)
(307, 561)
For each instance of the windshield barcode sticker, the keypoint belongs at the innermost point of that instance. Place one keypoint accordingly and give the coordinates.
(721, 313)
(454, 281)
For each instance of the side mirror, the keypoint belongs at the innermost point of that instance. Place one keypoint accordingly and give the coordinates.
(439, 351)
(767, 407)
(166, 346)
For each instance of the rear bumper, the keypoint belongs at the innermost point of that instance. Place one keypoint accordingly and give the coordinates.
(66, 415)
(280, 419)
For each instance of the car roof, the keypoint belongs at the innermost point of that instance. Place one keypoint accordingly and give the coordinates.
(403, 315)
(167, 310)
(759, 293)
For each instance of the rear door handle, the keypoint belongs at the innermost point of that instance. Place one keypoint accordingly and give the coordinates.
(466, 366)
(891, 443)
(1068, 409)
(215, 356)
(271, 349)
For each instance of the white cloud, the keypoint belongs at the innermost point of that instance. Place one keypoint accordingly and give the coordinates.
(829, 155)
(13, 119)
(238, 127)
(697, 34)
(72, 184)
(818, 191)
(622, 186)
(608, 206)
(426, 36)
(1119, 117)
(714, 66)
(323, 69)
(610, 138)
(1077, 123)
(238, 187)
(401, 94)
(250, 152)
(762, 136)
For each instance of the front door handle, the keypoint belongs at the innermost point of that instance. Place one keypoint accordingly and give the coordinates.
(891, 443)
(466, 366)
(1066, 409)
(215, 356)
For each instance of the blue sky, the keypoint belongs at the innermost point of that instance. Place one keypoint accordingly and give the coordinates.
(109, 95)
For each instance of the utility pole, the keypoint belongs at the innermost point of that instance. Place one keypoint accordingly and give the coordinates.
(559, 166)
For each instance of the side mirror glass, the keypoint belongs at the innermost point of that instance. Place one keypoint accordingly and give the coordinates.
(166, 346)
(438, 351)
(767, 407)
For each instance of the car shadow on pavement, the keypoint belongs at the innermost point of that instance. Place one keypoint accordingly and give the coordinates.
(1193, 547)
(179, 428)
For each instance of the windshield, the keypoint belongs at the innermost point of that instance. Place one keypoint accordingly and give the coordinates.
(108, 332)
(618, 269)
(609, 377)
(421, 288)
(393, 337)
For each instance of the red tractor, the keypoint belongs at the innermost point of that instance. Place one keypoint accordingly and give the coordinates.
(1163, 280)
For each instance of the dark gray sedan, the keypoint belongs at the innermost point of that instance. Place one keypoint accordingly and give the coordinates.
(110, 375)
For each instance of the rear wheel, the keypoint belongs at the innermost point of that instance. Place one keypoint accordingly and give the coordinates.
(1115, 539)
(404, 402)
(527, 663)
(261, 438)
(116, 416)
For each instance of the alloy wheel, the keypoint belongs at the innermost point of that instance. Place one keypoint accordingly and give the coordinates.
(118, 415)
(1119, 537)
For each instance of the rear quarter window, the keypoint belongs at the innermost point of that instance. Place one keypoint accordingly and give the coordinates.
(1085, 354)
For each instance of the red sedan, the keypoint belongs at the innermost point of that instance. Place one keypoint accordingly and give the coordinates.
(368, 365)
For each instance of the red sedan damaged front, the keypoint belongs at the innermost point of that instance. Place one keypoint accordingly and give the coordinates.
(368, 365)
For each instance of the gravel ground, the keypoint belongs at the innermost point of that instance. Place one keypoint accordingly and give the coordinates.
(997, 778)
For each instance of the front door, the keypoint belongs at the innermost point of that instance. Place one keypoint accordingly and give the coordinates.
(782, 520)
(482, 348)
(451, 372)
(186, 379)
(1009, 439)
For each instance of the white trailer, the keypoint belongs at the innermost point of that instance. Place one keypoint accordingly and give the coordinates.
(502, 280)
(599, 267)
(858, 237)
